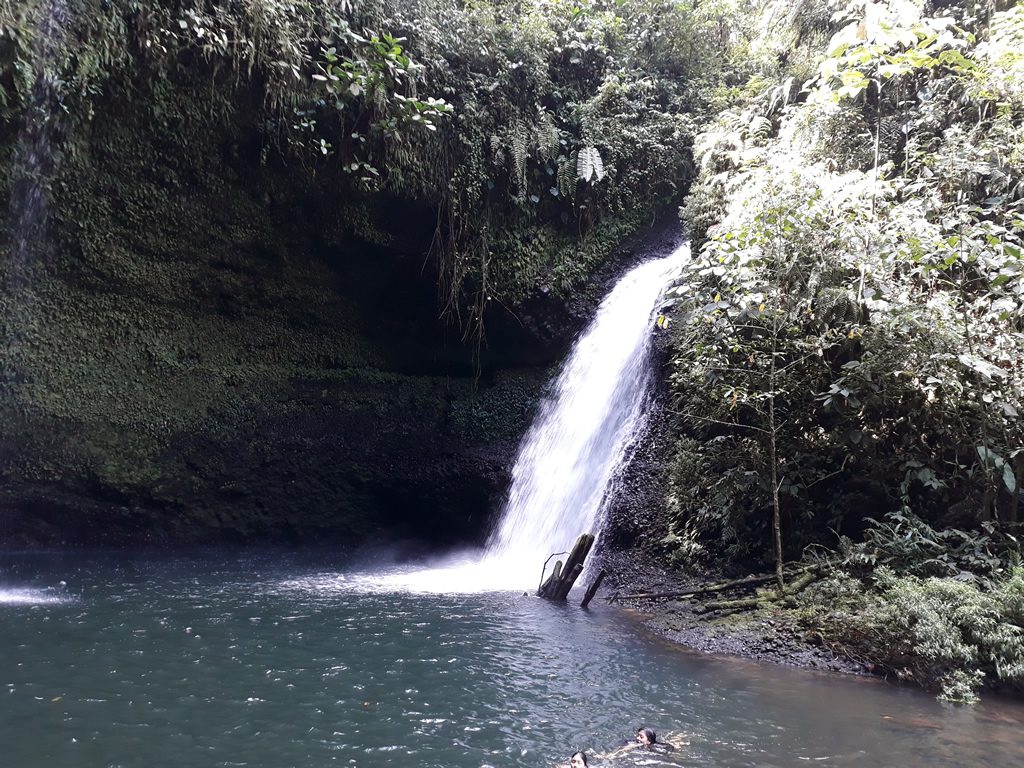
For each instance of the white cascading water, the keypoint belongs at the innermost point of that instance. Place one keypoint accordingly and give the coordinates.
(36, 158)
(571, 454)
(585, 426)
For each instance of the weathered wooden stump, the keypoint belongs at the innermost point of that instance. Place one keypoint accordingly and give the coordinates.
(558, 584)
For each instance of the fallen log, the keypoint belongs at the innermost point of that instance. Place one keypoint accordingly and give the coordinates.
(732, 605)
(725, 586)
(748, 581)
(810, 575)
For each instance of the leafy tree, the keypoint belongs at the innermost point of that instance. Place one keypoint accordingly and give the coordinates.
(915, 310)
(757, 351)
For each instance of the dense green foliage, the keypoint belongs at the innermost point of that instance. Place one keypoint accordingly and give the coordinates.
(891, 306)
(539, 131)
(942, 608)
(848, 336)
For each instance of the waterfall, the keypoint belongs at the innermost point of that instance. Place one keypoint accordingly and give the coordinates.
(569, 458)
(585, 426)
(35, 163)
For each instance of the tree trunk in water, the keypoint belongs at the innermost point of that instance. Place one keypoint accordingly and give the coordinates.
(556, 574)
(563, 577)
(592, 589)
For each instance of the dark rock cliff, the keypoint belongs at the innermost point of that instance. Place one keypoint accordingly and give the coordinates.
(205, 343)
(204, 346)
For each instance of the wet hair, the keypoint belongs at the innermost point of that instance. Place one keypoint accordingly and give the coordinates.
(583, 757)
(652, 737)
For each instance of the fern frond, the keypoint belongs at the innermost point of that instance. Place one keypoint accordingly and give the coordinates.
(759, 129)
(519, 143)
(379, 97)
(733, 122)
(547, 137)
(497, 150)
(567, 176)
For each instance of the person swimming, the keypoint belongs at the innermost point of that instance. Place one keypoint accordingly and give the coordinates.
(645, 737)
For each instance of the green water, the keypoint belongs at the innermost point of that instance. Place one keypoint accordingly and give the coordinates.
(277, 660)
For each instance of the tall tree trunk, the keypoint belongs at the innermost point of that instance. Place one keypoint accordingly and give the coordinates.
(773, 461)
(1018, 475)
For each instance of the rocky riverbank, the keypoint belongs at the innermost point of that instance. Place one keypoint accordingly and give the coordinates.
(766, 635)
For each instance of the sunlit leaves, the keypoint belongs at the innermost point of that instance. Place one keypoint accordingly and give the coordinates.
(879, 49)
(589, 166)
(373, 81)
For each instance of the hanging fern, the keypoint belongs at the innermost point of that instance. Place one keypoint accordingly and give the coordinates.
(519, 141)
(380, 97)
(891, 133)
(548, 137)
(567, 176)
(1007, 30)
(733, 121)
(497, 150)
(759, 129)
(589, 165)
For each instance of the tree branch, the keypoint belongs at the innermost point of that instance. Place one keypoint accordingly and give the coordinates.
(710, 420)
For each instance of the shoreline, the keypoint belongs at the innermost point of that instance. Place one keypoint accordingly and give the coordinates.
(763, 635)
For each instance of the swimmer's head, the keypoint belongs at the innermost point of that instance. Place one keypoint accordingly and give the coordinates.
(578, 760)
(646, 736)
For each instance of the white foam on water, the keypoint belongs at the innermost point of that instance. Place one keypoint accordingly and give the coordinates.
(31, 597)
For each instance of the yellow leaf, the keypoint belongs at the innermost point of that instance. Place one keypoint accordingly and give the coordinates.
(761, 308)
(718, 297)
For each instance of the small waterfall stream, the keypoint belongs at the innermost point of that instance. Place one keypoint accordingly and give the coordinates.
(35, 164)
(36, 157)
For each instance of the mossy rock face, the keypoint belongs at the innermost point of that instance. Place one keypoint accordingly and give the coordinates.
(203, 349)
